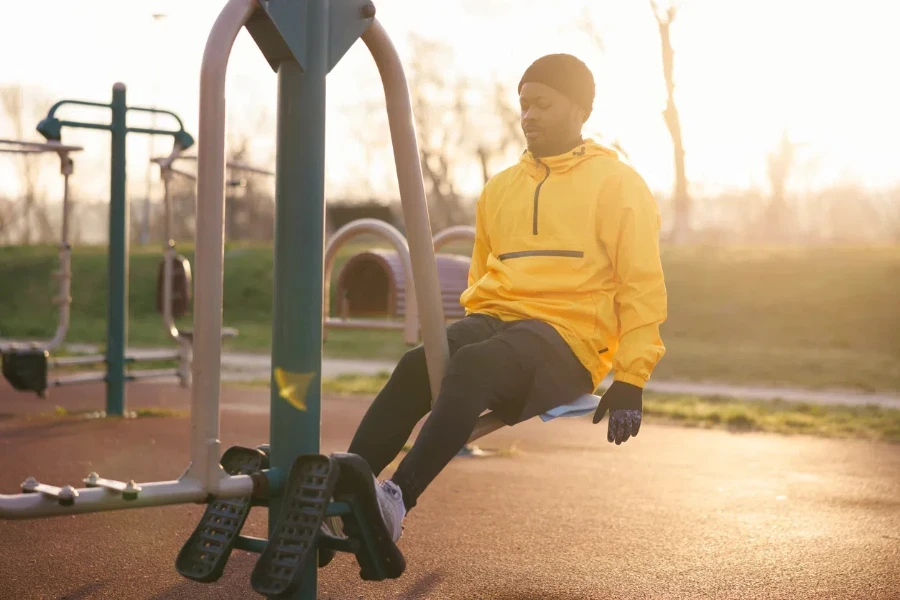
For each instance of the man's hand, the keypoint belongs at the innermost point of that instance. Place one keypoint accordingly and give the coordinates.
(625, 404)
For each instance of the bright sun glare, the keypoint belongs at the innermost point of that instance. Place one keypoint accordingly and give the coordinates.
(745, 72)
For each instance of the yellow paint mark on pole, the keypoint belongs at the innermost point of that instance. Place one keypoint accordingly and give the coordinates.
(293, 387)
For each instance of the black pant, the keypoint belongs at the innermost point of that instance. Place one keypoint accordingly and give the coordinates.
(494, 365)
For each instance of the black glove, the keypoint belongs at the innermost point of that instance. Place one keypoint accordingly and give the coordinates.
(625, 404)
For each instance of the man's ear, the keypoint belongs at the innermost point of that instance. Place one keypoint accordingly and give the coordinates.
(579, 115)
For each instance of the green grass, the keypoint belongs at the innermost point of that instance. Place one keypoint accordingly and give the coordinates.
(858, 422)
(355, 384)
(814, 317)
(60, 412)
(834, 421)
(136, 367)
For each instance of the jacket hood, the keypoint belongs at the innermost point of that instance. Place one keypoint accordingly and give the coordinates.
(563, 163)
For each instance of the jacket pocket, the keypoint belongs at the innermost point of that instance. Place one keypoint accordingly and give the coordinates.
(598, 338)
(544, 253)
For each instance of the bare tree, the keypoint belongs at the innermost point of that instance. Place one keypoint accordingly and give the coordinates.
(249, 205)
(778, 217)
(18, 107)
(464, 127)
(589, 28)
(509, 134)
(8, 218)
(892, 215)
(849, 215)
(461, 124)
(438, 106)
(681, 202)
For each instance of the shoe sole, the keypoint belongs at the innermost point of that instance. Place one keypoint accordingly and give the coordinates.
(383, 560)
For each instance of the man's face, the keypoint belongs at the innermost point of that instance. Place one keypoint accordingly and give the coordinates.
(549, 119)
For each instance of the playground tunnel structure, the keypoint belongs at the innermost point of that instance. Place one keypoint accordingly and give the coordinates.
(373, 284)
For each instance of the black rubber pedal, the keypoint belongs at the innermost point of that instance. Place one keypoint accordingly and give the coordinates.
(279, 571)
(26, 369)
(203, 556)
(379, 557)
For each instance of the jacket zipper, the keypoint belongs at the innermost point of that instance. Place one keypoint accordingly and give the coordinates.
(537, 193)
(550, 253)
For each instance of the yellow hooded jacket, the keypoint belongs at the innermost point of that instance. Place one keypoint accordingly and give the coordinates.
(573, 240)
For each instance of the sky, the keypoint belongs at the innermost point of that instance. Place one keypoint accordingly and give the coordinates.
(745, 72)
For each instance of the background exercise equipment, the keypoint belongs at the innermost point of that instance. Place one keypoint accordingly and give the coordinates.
(117, 299)
(26, 365)
(173, 283)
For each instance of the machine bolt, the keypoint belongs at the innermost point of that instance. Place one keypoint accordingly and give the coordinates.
(30, 485)
(91, 480)
(368, 10)
(67, 495)
(131, 491)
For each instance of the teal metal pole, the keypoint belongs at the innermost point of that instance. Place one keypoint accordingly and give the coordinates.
(117, 261)
(299, 253)
(117, 253)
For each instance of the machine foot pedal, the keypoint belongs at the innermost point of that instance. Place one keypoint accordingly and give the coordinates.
(204, 555)
(26, 369)
(279, 571)
(379, 557)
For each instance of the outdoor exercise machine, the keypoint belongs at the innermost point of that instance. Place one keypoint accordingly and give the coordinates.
(28, 364)
(393, 270)
(173, 294)
(25, 365)
(302, 41)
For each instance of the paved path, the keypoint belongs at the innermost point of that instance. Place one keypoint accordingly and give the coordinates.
(675, 513)
(238, 366)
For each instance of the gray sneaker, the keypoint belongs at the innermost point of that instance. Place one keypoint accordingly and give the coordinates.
(334, 527)
(390, 501)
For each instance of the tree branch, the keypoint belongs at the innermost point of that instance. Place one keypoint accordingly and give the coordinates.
(589, 28)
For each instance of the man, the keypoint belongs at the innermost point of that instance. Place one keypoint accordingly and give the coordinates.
(565, 285)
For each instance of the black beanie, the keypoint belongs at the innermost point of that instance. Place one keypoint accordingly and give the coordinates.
(565, 74)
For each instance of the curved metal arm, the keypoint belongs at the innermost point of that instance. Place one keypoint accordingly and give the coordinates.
(64, 275)
(487, 423)
(412, 197)
(159, 111)
(165, 168)
(210, 240)
(453, 234)
(392, 235)
(185, 342)
(165, 162)
(415, 214)
(52, 112)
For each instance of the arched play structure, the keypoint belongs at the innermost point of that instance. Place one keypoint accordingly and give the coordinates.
(375, 288)
(287, 476)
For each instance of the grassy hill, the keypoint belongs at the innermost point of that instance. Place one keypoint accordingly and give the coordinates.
(816, 317)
